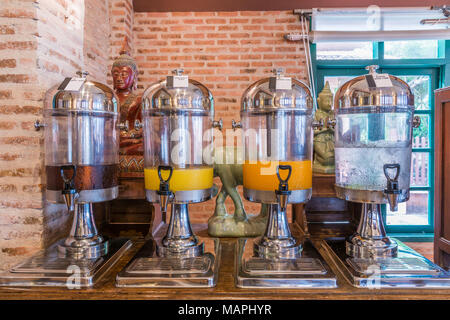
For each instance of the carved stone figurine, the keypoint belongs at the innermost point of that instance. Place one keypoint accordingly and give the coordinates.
(222, 224)
(124, 72)
(324, 137)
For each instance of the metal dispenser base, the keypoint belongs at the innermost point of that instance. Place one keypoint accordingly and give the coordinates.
(407, 270)
(47, 268)
(76, 261)
(278, 260)
(307, 271)
(179, 259)
(371, 259)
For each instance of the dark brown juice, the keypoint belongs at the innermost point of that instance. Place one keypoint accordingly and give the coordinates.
(86, 178)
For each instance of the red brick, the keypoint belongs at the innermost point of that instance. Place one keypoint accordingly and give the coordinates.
(9, 157)
(16, 78)
(17, 251)
(181, 14)
(215, 21)
(17, 13)
(5, 29)
(252, 27)
(28, 141)
(250, 13)
(19, 45)
(7, 125)
(204, 42)
(5, 94)
(205, 28)
(7, 188)
(205, 14)
(193, 21)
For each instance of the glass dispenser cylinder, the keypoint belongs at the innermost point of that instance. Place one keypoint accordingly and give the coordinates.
(374, 121)
(81, 158)
(178, 118)
(276, 115)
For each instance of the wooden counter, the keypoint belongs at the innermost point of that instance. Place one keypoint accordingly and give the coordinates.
(225, 288)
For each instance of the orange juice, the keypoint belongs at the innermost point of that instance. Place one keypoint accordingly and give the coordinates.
(260, 176)
(181, 180)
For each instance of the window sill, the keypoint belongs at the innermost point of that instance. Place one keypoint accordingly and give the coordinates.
(413, 237)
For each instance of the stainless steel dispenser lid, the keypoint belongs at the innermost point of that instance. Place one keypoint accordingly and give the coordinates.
(277, 93)
(374, 91)
(178, 93)
(80, 94)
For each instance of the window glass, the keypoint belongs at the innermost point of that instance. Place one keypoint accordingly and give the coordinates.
(412, 212)
(420, 86)
(411, 49)
(421, 135)
(420, 164)
(344, 50)
(336, 81)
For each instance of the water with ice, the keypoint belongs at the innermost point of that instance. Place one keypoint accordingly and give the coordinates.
(362, 168)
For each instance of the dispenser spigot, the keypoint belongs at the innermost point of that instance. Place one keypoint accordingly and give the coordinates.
(165, 195)
(69, 192)
(218, 124)
(236, 125)
(392, 191)
(283, 191)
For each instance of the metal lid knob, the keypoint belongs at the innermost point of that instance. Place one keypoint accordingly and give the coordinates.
(372, 68)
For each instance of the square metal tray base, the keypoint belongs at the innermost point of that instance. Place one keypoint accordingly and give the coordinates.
(46, 269)
(408, 270)
(147, 270)
(308, 271)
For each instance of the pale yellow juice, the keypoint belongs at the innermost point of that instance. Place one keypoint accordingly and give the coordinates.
(259, 176)
(181, 180)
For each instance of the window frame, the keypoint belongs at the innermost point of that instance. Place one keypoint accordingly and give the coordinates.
(437, 69)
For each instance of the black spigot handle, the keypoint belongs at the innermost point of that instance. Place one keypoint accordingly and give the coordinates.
(69, 181)
(164, 183)
(391, 166)
(392, 183)
(283, 182)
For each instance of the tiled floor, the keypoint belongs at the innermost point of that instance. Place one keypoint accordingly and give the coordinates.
(424, 248)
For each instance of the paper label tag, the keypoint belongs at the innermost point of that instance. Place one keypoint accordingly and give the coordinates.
(72, 84)
(379, 80)
(180, 81)
(283, 83)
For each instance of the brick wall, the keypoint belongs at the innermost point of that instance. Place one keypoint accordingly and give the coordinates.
(226, 51)
(121, 24)
(43, 42)
(40, 44)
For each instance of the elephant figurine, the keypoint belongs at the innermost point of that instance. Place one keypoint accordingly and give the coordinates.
(222, 224)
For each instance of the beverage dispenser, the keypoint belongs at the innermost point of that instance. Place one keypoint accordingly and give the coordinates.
(373, 140)
(81, 165)
(277, 121)
(177, 122)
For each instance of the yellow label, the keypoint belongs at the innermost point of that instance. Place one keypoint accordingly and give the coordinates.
(258, 176)
(181, 180)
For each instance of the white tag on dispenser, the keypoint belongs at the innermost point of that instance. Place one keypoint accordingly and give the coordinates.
(72, 84)
(382, 80)
(283, 83)
(180, 81)
(378, 80)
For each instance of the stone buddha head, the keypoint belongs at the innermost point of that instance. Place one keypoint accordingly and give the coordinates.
(124, 70)
(325, 98)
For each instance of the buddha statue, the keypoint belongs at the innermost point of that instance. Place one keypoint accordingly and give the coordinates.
(124, 73)
(324, 137)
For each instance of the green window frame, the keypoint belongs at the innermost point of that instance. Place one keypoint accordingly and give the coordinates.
(439, 72)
